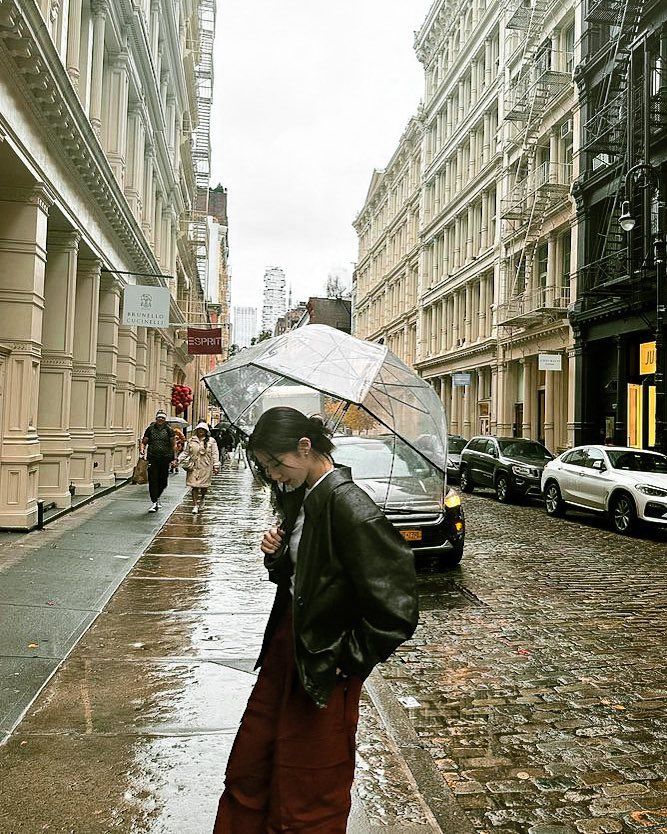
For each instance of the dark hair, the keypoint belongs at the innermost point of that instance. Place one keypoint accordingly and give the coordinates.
(279, 430)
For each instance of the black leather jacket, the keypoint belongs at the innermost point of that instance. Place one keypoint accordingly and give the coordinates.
(355, 595)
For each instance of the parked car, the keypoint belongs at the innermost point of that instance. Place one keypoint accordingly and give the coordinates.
(512, 466)
(455, 445)
(628, 484)
(409, 492)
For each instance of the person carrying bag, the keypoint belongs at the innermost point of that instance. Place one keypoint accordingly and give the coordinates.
(201, 460)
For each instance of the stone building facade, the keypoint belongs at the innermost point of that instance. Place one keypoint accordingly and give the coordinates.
(486, 261)
(98, 105)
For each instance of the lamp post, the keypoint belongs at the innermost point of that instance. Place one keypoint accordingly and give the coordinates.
(627, 221)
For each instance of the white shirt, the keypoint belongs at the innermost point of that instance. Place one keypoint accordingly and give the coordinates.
(297, 531)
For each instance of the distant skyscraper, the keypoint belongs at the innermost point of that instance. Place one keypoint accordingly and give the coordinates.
(275, 302)
(245, 325)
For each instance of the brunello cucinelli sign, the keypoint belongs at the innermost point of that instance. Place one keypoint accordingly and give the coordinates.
(146, 306)
(205, 341)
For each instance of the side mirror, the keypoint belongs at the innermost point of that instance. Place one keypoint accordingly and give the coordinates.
(599, 465)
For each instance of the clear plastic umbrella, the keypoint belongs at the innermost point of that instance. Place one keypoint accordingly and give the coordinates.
(357, 386)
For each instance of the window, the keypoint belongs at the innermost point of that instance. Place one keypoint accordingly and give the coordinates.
(542, 264)
(577, 457)
(566, 249)
(593, 455)
(490, 447)
(518, 276)
(568, 47)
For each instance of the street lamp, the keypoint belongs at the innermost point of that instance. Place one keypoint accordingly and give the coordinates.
(627, 221)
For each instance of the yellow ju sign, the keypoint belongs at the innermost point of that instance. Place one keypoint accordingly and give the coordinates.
(647, 358)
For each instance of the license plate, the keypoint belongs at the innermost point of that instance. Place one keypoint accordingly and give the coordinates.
(412, 535)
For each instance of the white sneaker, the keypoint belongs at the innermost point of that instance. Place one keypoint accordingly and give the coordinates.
(195, 510)
(154, 508)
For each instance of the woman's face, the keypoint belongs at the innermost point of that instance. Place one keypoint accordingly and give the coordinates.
(201, 434)
(288, 468)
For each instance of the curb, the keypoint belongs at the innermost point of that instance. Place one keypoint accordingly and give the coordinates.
(448, 818)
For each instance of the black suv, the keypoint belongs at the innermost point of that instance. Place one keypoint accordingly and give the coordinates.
(512, 466)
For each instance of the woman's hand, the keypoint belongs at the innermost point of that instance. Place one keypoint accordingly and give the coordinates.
(216, 470)
(272, 540)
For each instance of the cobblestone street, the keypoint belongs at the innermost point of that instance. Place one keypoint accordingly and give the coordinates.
(540, 674)
(534, 692)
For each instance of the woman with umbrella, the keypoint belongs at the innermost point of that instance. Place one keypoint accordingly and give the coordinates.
(346, 599)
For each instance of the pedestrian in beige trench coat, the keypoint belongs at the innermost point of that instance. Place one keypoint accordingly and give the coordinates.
(201, 461)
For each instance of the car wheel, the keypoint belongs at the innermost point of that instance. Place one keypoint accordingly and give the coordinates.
(503, 489)
(452, 558)
(465, 483)
(623, 514)
(553, 500)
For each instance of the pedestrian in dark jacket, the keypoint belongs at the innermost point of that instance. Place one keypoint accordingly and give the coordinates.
(346, 599)
(159, 446)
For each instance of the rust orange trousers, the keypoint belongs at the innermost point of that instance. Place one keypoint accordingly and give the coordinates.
(292, 764)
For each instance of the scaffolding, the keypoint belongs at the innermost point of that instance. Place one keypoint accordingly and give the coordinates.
(535, 184)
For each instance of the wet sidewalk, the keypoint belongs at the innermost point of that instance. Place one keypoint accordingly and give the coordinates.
(133, 731)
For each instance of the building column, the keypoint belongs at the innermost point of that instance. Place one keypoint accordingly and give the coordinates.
(467, 409)
(528, 398)
(134, 176)
(55, 374)
(148, 208)
(106, 380)
(84, 365)
(467, 314)
(455, 319)
(504, 426)
(140, 383)
(115, 117)
(96, 78)
(481, 317)
(163, 397)
(126, 402)
(455, 410)
(493, 410)
(549, 409)
(552, 262)
(74, 43)
(157, 230)
(484, 231)
(23, 224)
(488, 62)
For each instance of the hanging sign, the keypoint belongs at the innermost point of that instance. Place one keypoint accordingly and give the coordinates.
(205, 341)
(550, 362)
(647, 358)
(460, 380)
(146, 306)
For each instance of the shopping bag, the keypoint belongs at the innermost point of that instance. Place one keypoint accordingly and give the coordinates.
(140, 473)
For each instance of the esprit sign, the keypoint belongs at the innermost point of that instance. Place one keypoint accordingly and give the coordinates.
(647, 358)
(205, 341)
(146, 306)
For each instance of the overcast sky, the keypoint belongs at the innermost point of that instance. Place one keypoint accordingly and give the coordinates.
(310, 96)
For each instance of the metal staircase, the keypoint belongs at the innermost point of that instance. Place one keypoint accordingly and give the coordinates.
(201, 151)
(608, 141)
(534, 188)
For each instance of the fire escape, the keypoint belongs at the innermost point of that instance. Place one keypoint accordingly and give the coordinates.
(611, 139)
(201, 151)
(536, 184)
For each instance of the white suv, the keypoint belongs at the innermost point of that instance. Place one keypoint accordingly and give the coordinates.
(628, 484)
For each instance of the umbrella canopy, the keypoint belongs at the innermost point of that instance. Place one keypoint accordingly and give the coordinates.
(177, 421)
(344, 371)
